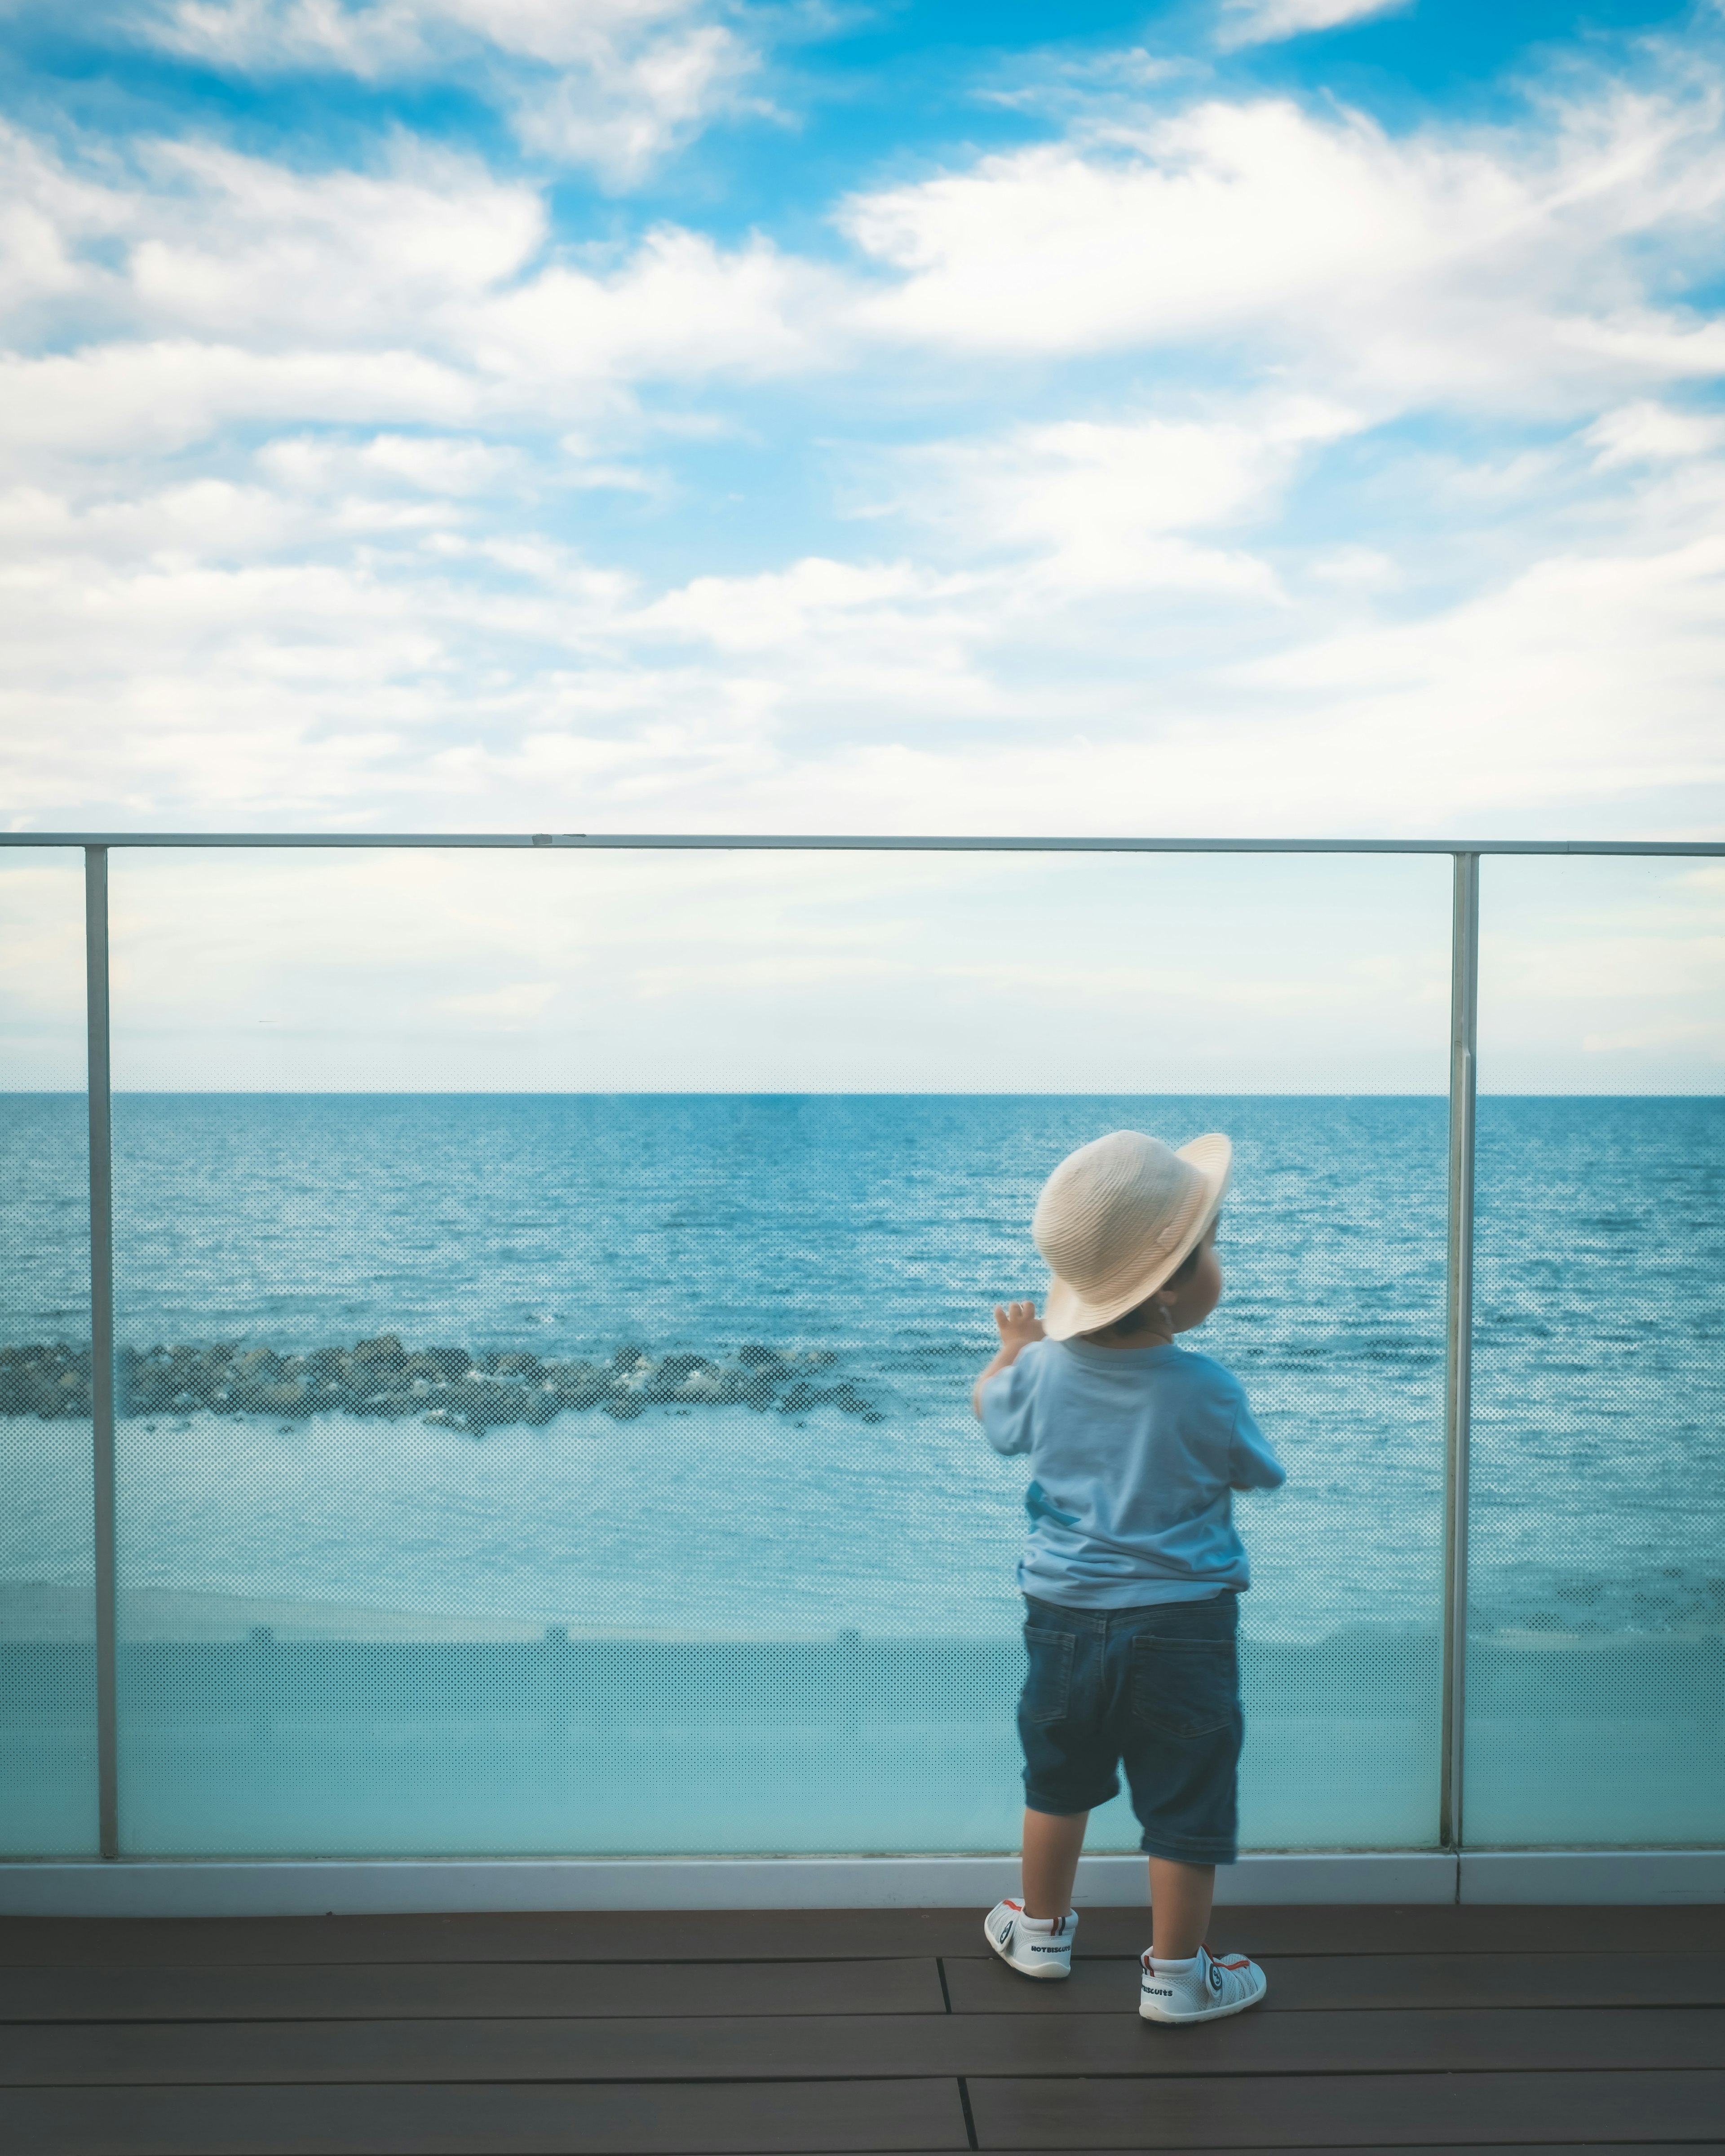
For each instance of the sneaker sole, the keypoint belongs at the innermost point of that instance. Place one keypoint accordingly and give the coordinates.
(1049, 1975)
(1209, 2013)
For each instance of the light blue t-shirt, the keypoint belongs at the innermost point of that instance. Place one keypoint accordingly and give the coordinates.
(1134, 1453)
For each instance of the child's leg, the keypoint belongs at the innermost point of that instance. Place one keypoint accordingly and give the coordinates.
(1180, 1896)
(1052, 1842)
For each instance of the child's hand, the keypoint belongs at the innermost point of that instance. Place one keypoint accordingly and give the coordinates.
(1018, 1325)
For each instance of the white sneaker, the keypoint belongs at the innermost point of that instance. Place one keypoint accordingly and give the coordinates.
(1200, 1989)
(1035, 1946)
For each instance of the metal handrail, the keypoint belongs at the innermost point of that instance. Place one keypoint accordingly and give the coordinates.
(101, 1340)
(826, 842)
(1458, 1335)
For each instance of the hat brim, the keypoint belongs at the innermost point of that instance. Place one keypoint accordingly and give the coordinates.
(1067, 1312)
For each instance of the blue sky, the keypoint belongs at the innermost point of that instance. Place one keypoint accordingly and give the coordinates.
(1264, 416)
(1270, 415)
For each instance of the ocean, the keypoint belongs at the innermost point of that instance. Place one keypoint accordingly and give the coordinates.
(694, 1370)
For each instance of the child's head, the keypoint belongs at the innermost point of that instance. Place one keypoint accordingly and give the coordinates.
(1127, 1225)
(1184, 1299)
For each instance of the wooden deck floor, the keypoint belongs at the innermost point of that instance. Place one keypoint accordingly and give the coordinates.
(1428, 2028)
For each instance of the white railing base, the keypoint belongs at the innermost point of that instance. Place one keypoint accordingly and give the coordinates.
(1641, 1876)
(333, 1886)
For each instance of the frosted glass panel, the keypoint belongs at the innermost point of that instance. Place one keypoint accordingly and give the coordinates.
(550, 1287)
(48, 1745)
(1596, 1670)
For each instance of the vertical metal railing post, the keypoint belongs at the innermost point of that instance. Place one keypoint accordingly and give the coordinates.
(1464, 1018)
(101, 1332)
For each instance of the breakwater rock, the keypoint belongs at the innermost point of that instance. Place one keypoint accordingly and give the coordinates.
(48, 1381)
(447, 1387)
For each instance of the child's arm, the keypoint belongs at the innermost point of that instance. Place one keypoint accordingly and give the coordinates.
(1018, 1325)
(1252, 1465)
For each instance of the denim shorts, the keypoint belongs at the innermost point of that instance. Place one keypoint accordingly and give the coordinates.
(1156, 1688)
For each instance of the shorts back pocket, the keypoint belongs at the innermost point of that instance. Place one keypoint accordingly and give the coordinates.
(1048, 1682)
(1184, 1687)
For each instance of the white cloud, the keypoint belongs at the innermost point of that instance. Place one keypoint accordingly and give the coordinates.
(270, 36)
(441, 251)
(828, 695)
(386, 36)
(772, 972)
(1611, 973)
(1363, 568)
(202, 521)
(515, 1004)
(1647, 433)
(48, 216)
(113, 400)
(680, 308)
(625, 116)
(241, 291)
(1101, 503)
(613, 84)
(1265, 21)
(812, 599)
(1587, 681)
(1496, 270)
(240, 246)
(41, 962)
(432, 464)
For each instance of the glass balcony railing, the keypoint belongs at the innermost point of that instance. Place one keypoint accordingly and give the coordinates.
(547, 1281)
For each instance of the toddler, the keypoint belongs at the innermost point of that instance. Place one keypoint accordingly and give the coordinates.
(1132, 1572)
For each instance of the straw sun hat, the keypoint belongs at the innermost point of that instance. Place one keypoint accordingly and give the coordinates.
(1118, 1217)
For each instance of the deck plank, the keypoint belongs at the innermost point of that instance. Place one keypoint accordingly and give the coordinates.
(1678, 2040)
(477, 1990)
(1445, 2029)
(605, 1935)
(814, 2118)
(1368, 1983)
(1422, 1929)
(1348, 2111)
(658, 1935)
